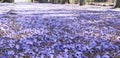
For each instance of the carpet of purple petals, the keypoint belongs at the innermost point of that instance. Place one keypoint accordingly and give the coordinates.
(60, 33)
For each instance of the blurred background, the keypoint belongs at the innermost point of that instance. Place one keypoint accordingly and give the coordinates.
(80, 2)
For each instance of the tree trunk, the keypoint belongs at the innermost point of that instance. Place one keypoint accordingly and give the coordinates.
(117, 4)
(40, 1)
(55, 1)
(68, 1)
(52, 1)
(7, 1)
(82, 2)
(63, 1)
